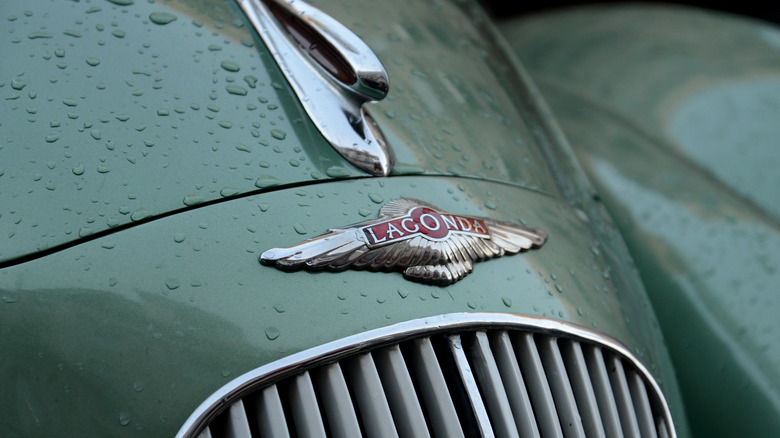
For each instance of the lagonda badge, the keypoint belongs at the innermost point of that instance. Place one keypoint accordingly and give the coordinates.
(427, 244)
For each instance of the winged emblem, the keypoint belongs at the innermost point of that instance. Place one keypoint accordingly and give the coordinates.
(427, 244)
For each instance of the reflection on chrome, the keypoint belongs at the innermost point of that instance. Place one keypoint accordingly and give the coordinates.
(332, 71)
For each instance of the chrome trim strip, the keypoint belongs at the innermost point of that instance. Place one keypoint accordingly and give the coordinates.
(397, 333)
(335, 107)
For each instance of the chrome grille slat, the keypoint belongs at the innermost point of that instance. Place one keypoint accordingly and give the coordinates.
(577, 368)
(514, 385)
(448, 381)
(569, 415)
(435, 394)
(492, 387)
(336, 401)
(617, 377)
(644, 413)
(401, 396)
(238, 424)
(470, 384)
(660, 426)
(605, 397)
(371, 399)
(538, 387)
(270, 414)
(303, 401)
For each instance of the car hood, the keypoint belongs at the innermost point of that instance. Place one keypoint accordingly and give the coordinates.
(121, 112)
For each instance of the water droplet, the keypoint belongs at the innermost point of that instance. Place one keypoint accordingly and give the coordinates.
(279, 308)
(118, 33)
(38, 35)
(271, 333)
(52, 138)
(225, 373)
(140, 214)
(112, 281)
(10, 297)
(85, 231)
(161, 18)
(228, 191)
(124, 417)
(214, 47)
(163, 112)
(96, 134)
(278, 134)
(507, 301)
(18, 83)
(94, 62)
(559, 288)
(299, 228)
(337, 172)
(251, 81)
(230, 66)
(179, 237)
(403, 292)
(172, 283)
(472, 305)
(265, 181)
(490, 205)
(190, 200)
(225, 124)
(138, 386)
(122, 2)
(376, 198)
(238, 91)
(103, 169)
(69, 102)
(263, 206)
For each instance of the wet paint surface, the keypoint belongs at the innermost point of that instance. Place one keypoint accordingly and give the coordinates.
(139, 327)
(674, 115)
(116, 113)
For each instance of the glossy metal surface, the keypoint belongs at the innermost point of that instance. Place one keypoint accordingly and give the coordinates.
(431, 246)
(335, 104)
(139, 327)
(334, 352)
(674, 115)
(120, 112)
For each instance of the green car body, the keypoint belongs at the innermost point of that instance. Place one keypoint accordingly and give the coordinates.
(151, 151)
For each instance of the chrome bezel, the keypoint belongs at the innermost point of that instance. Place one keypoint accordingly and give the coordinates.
(396, 333)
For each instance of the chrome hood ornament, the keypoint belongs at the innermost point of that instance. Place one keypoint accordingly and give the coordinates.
(427, 244)
(332, 71)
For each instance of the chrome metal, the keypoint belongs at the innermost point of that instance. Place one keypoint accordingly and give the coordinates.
(470, 385)
(270, 414)
(334, 104)
(438, 351)
(337, 402)
(517, 394)
(404, 238)
(400, 393)
(435, 394)
(583, 389)
(622, 397)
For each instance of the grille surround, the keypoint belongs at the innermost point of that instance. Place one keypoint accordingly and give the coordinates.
(545, 338)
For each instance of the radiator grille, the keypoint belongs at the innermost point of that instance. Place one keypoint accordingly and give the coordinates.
(461, 382)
